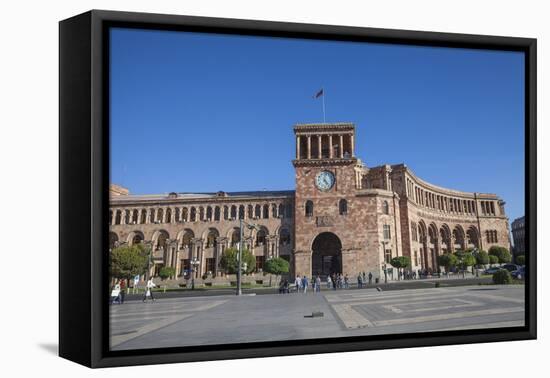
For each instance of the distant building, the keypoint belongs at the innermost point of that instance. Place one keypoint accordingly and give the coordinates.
(518, 234)
(341, 217)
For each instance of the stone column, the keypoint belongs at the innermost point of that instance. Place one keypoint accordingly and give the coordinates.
(297, 147)
(341, 146)
(352, 143)
(319, 153)
(309, 146)
(123, 216)
(331, 153)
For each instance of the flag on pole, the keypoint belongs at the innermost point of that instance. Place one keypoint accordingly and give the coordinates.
(319, 94)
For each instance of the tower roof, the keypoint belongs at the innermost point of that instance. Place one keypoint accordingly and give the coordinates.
(324, 127)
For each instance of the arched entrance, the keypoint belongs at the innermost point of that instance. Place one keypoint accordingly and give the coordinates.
(327, 255)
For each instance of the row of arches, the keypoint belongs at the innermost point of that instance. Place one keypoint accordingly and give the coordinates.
(211, 237)
(206, 248)
(208, 213)
(436, 240)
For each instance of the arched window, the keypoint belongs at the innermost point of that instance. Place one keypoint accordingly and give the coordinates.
(385, 207)
(266, 211)
(241, 212)
(225, 213)
(257, 211)
(309, 208)
(261, 237)
(233, 212)
(281, 210)
(160, 215)
(211, 239)
(137, 239)
(343, 207)
(250, 211)
(209, 213)
(235, 237)
(118, 217)
(217, 213)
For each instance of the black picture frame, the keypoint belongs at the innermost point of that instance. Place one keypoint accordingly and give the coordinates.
(84, 181)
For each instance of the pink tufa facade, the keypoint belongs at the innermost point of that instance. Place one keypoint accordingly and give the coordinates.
(342, 217)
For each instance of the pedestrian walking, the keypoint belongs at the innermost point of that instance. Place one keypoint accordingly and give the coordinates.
(122, 291)
(334, 283)
(359, 281)
(298, 283)
(304, 284)
(329, 282)
(318, 284)
(346, 281)
(370, 278)
(115, 294)
(149, 290)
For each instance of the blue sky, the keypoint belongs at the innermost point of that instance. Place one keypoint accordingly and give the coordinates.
(201, 112)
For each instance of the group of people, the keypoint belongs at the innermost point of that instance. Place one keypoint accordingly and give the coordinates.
(334, 281)
(118, 291)
(362, 279)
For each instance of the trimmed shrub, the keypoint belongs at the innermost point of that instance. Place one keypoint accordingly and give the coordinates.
(501, 253)
(502, 277)
(520, 260)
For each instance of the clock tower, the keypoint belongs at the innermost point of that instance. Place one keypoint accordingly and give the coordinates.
(327, 179)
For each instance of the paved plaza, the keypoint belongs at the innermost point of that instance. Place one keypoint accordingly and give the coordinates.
(231, 319)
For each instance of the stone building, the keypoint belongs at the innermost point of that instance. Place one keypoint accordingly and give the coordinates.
(342, 217)
(518, 234)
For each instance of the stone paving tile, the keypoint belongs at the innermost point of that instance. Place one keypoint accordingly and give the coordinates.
(228, 319)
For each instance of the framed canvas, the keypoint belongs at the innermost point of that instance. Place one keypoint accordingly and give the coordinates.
(235, 188)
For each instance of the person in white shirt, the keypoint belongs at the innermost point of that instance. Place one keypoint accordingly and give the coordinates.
(298, 283)
(149, 290)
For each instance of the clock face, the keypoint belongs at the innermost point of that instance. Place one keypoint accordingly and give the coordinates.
(324, 180)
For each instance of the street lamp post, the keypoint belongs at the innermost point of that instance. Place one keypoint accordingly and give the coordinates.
(194, 263)
(475, 252)
(252, 227)
(149, 246)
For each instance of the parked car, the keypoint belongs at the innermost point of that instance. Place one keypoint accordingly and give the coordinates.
(510, 267)
(519, 274)
(491, 270)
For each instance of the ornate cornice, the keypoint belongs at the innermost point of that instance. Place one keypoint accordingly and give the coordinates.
(324, 127)
(323, 162)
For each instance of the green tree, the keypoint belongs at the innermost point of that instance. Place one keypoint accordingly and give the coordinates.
(400, 262)
(520, 260)
(229, 261)
(502, 277)
(276, 266)
(465, 260)
(166, 272)
(126, 261)
(501, 253)
(448, 260)
(493, 259)
(482, 257)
